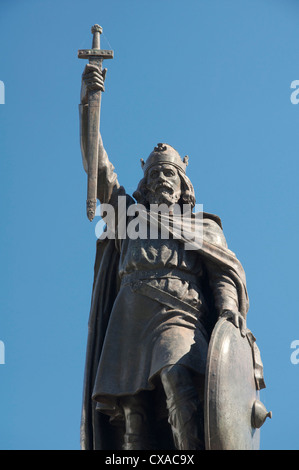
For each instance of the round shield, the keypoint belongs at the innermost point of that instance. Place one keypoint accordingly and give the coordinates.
(230, 391)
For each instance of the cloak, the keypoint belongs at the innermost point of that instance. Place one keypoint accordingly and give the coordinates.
(97, 432)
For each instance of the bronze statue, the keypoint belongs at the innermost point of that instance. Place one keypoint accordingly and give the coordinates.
(151, 351)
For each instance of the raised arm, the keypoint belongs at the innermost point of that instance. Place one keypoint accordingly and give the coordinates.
(93, 79)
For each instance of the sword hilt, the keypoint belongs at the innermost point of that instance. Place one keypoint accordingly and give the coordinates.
(96, 30)
(95, 53)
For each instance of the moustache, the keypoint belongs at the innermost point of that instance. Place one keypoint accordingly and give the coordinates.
(163, 186)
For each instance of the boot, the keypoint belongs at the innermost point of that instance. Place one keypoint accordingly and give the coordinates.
(138, 435)
(187, 425)
(137, 442)
(185, 414)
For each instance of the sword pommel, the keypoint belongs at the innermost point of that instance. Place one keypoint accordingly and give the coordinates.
(96, 28)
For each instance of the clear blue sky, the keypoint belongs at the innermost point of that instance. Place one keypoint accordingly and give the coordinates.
(210, 78)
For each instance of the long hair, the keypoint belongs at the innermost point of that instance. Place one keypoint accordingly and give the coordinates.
(187, 191)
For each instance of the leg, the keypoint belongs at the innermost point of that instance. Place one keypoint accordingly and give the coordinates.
(138, 431)
(184, 408)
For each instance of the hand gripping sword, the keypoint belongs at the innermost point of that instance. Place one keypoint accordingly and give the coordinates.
(95, 56)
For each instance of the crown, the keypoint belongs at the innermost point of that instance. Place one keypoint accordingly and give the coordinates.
(164, 153)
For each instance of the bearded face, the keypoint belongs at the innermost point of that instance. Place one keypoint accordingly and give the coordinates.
(163, 184)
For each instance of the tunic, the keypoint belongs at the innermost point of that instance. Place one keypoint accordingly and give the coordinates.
(145, 335)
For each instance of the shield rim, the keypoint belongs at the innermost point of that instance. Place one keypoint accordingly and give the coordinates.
(211, 381)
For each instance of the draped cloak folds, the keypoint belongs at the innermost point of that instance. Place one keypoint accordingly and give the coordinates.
(97, 432)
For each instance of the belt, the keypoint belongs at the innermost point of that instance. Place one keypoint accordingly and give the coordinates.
(159, 274)
(135, 280)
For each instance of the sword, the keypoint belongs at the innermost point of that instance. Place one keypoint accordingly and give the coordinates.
(95, 57)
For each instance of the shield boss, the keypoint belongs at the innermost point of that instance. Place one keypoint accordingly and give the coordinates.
(230, 391)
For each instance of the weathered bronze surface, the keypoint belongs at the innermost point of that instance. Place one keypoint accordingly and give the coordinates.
(170, 363)
(233, 412)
